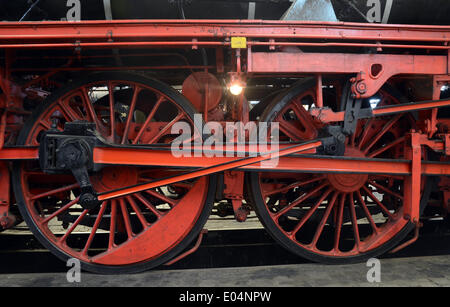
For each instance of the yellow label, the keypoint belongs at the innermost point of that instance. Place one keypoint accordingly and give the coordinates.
(238, 42)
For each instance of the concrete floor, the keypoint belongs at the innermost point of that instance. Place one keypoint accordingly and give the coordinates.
(403, 272)
(425, 263)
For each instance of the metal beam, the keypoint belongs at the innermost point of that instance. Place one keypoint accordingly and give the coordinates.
(205, 171)
(131, 29)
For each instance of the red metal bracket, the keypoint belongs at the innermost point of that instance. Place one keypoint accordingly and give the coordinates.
(6, 219)
(326, 115)
(447, 144)
(372, 70)
(413, 182)
(409, 242)
(191, 251)
(438, 81)
(234, 190)
(413, 188)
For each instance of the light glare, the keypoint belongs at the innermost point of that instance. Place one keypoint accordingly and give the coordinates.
(236, 89)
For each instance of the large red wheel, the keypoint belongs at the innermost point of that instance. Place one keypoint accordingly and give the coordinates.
(334, 217)
(127, 234)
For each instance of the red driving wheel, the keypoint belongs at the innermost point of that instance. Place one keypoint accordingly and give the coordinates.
(335, 217)
(126, 234)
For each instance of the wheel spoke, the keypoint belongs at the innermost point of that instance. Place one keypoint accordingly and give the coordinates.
(167, 127)
(56, 191)
(367, 212)
(324, 220)
(383, 131)
(171, 202)
(130, 115)
(183, 185)
(388, 177)
(112, 224)
(148, 205)
(94, 228)
(386, 147)
(375, 199)
(354, 221)
(310, 212)
(293, 185)
(337, 233)
(74, 225)
(196, 137)
(126, 218)
(139, 214)
(363, 139)
(290, 130)
(71, 115)
(384, 189)
(299, 200)
(44, 124)
(148, 120)
(89, 107)
(353, 136)
(61, 210)
(112, 110)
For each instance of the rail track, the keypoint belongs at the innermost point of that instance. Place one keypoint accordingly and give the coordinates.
(232, 248)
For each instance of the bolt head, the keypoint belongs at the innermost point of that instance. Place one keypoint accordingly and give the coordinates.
(361, 87)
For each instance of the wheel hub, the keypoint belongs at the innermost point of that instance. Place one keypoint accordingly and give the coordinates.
(348, 183)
